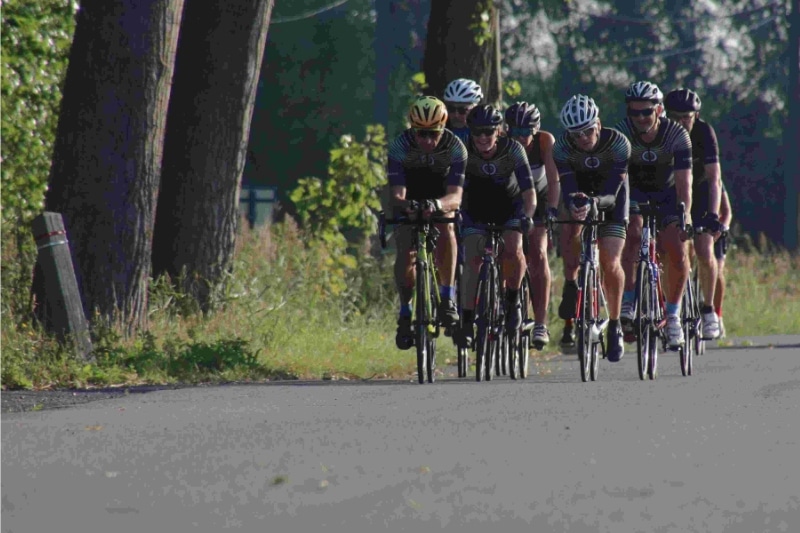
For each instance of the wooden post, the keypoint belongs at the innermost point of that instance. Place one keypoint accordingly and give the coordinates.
(64, 305)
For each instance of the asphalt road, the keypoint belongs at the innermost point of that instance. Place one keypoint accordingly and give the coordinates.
(714, 452)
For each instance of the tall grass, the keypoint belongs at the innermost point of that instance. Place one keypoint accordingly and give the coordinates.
(293, 309)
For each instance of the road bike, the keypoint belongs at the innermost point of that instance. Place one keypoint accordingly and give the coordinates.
(650, 314)
(425, 322)
(591, 313)
(496, 348)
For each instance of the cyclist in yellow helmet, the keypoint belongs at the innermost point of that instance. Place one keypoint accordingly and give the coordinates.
(426, 164)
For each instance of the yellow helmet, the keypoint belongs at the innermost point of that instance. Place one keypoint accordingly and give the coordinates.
(427, 112)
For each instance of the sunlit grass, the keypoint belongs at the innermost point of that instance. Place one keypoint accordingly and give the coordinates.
(290, 310)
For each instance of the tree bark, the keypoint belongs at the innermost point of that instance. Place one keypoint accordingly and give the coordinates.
(108, 149)
(791, 165)
(462, 43)
(217, 68)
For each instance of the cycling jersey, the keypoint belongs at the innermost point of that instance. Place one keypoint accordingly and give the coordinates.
(652, 165)
(536, 161)
(426, 175)
(461, 133)
(493, 187)
(705, 150)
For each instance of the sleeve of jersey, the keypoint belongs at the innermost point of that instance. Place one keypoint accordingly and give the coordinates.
(522, 169)
(395, 170)
(458, 163)
(682, 149)
(561, 159)
(621, 148)
(712, 146)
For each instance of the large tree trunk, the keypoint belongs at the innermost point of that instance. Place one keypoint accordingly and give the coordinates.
(791, 165)
(462, 43)
(107, 153)
(216, 74)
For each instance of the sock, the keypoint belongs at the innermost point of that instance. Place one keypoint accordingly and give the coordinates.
(571, 283)
(613, 323)
(718, 310)
(447, 292)
(673, 309)
(405, 309)
(468, 315)
(512, 296)
(628, 296)
(707, 309)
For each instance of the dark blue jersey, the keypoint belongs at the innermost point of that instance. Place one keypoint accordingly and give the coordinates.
(705, 150)
(652, 165)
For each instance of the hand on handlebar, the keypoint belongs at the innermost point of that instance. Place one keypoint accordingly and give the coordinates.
(579, 206)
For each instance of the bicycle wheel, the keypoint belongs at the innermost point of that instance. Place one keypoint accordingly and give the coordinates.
(421, 320)
(495, 336)
(656, 325)
(699, 342)
(523, 348)
(643, 319)
(689, 331)
(583, 322)
(463, 352)
(598, 344)
(483, 318)
(433, 327)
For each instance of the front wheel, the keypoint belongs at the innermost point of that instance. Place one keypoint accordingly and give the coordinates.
(423, 324)
(585, 320)
(643, 319)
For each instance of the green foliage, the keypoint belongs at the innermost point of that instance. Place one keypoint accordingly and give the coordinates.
(348, 200)
(481, 26)
(512, 89)
(35, 40)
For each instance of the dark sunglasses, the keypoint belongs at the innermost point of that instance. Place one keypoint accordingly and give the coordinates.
(647, 112)
(428, 134)
(486, 132)
(458, 109)
(582, 133)
(679, 116)
(521, 132)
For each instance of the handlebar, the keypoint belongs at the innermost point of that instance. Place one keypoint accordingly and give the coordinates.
(407, 221)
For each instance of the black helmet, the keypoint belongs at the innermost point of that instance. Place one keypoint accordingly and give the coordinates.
(682, 100)
(523, 115)
(484, 115)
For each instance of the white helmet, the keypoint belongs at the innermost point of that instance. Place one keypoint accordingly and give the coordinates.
(644, 91)
(463, 91)
(579, 113)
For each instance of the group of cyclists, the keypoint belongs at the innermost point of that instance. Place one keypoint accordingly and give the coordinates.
(500, 168)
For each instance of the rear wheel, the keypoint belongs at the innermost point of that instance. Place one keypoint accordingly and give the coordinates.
(463, 352)
(643, 319)
(583, 321)
(689, 331)
(699, 343)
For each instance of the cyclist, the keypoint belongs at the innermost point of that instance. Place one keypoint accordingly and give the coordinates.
(426, 164)
(660, 171)
(720, 248)
(498, 190)
(683, 106)
(592, 161)
(461, 96)
(523, 121)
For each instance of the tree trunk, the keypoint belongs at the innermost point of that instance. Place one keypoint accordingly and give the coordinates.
(462, 43)
(107, 153)
(791, 165)
(216, 74)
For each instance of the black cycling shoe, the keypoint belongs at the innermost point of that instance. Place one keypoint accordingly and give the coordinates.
(615, 349)
(405, 335)
(569, 300)
(568, 338)
(465, 336)
(448, 313)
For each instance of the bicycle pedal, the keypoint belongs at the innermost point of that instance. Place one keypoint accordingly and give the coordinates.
(528, 324)
(538, 345)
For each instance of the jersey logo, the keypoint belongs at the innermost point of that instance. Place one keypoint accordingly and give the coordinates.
(649, 156)
(592, 162)
(427, 159)
(490, 169)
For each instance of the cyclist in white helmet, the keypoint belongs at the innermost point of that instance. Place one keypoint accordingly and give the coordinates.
(460, 96)
(592, 161)
(660, 172)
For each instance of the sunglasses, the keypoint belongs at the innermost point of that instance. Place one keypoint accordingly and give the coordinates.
(679, 116)
(521, 132)
(582, 133)
(458, 109)
(647, 112)
(486, 132)
(428, 134)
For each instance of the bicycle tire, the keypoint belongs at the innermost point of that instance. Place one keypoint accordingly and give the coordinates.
(482, 318)
(643, 318)
(583, 321)
(420, 321)
(523, 350)
(699, 341)
(432, 326)
(462, 352)
(494, 319)
(689, 330)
